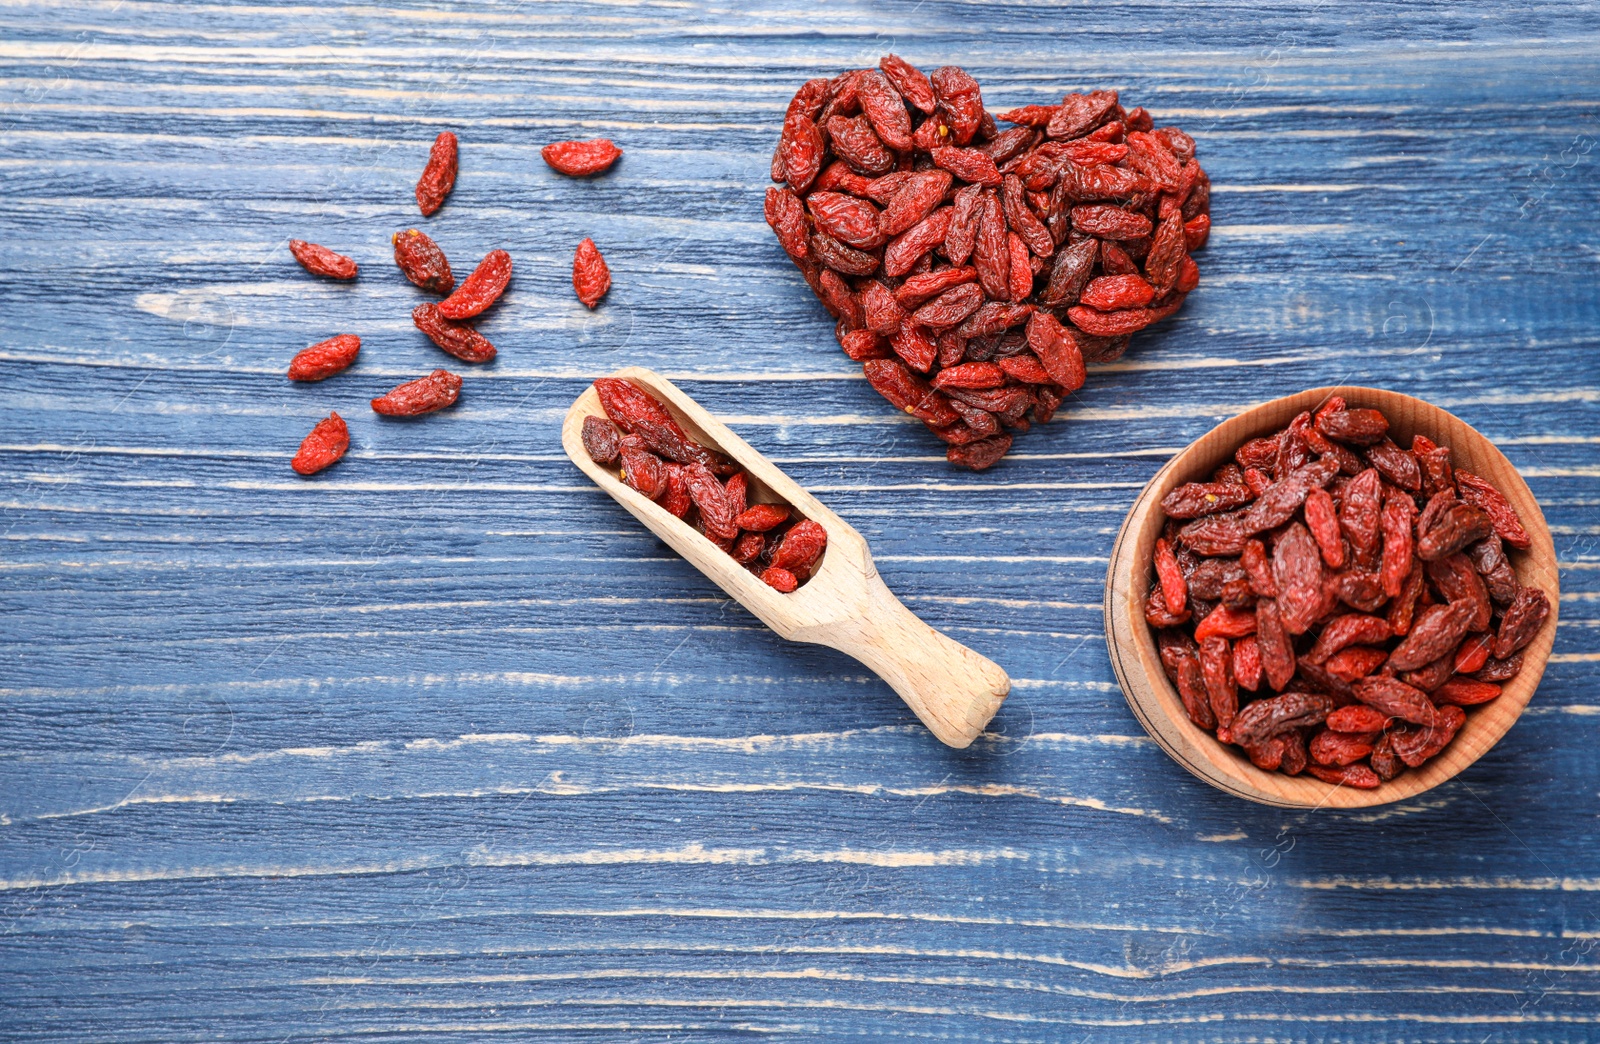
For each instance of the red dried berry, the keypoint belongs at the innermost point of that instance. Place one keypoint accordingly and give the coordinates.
(799, 549)
(779, 579)
(325, 358)
(458, 339)
(602, 439)
(590, 276)
(422, 262)
(439, 176)
(423, 395)
(581, 159)
(759, 518)
(319, 260)
(976, 456)
(787, 216)
(912, 84)
(480, 289)
(327, 443)
(1112, 293)
(1493, 503)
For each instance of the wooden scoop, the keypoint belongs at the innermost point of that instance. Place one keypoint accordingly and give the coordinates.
(844, 605)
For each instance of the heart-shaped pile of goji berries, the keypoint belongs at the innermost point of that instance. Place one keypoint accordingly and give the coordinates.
(973, 271)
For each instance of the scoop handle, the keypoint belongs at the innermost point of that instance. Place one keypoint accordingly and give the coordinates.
(953, 690)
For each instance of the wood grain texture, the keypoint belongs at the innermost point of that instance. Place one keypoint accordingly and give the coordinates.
(1132, 643)
(443, 745)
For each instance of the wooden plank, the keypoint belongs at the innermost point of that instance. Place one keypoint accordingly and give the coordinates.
(442, 743)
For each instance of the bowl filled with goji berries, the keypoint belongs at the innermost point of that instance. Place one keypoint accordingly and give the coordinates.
(1339, 598)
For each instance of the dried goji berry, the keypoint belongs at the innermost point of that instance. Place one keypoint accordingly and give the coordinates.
(643, 470)
(325, 358)
(439, 389)
(1359, 776)
(759, 518)
(748, 547)
(590, 276)
(439, 176)
(1292, 710)
(885, 109)
(1415, 746)
(1465, 692)
(850, 220)
(1455, 579)
(1358, 718)
(1195, 499)
(480, 289)
(602, 439)
(1436, 632)
(800, 151)
(581, 159)
(853, 140)
(1297, 572)
(1224, 622)
(976, 456)
(1522, 620)
(1173, 586)
(915, 200)
(1354, 662)
(319, 260)
(910, 246)
(912, 84)
(326, 443)
(1493, 503)
(779, 579)
(1396, 465)
(422, 262)
(458, 339)
(675, 499)
(1247, 663)
(1453, 529)
(1395, 522)
(1222, 690)
(799, 549)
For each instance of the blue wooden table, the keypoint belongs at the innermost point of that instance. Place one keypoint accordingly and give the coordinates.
(443, 745)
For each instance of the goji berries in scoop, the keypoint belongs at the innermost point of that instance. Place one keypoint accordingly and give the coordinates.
(1077, 221)
(706, 490)
(319, 260)
(1364, 584)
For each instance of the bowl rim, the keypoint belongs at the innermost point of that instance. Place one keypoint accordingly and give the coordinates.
(1150, 695)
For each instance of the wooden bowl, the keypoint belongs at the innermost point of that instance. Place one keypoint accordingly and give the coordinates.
(1132, 642)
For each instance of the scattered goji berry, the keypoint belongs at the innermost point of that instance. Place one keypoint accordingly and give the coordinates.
(480, 289)
(581, 159)
(439, 176)
(422, 262)
(325, 358)
(602, 439)
(423, 395)
(590, 276)
(326, 443)
(319, 260)
(458, 339)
